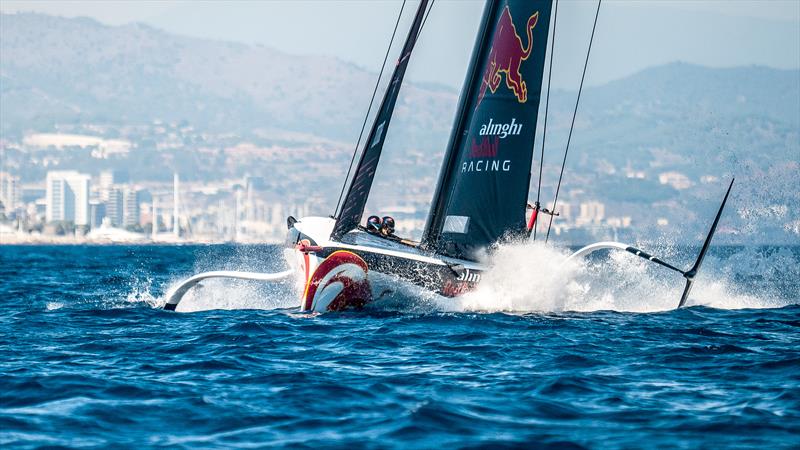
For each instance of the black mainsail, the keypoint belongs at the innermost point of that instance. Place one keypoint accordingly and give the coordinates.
(484, 181)
(349, 215)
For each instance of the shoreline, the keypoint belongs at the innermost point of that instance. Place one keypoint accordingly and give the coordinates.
(38, 240)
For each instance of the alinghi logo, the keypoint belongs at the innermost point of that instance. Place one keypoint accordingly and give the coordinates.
(501, 129)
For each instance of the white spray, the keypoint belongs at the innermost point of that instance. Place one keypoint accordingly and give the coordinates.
(533, 277)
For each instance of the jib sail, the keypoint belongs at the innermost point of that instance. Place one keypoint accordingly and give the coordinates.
(483, 185)
(352, 208)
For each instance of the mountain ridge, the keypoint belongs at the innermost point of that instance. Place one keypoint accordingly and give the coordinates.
(86, 67)
(92, 68)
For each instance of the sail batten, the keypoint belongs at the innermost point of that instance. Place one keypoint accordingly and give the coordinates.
(484, 182)
(352, 209)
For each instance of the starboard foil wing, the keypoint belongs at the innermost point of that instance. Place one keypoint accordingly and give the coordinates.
(484, 181)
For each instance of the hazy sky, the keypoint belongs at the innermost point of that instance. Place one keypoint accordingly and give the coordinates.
(631, 35)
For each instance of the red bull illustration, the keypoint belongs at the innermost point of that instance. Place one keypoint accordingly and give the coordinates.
(486, 148)
(506, 57)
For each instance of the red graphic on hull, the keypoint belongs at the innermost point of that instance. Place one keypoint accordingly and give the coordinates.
(457, 288)
(355, 293)
(506, 57)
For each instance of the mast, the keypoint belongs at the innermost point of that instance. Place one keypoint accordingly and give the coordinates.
(484, 182)
(349, 215)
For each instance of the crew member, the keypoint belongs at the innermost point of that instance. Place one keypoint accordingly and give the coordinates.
(387, 228)
(374, 225)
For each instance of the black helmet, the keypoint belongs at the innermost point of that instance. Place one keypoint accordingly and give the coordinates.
(374, 224)
(388, 224)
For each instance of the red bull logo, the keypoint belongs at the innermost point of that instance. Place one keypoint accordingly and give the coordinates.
(486, 148)
(506, 57)
(483, 157)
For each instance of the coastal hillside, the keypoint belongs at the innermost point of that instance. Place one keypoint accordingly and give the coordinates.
(663, 139)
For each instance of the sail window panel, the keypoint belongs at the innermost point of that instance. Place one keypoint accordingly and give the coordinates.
(378, 135)
(456, 224)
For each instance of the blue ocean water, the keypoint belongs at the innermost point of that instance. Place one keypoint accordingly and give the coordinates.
(598, 360)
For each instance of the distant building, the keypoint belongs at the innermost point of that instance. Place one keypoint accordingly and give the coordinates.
(114, 207)
(10, 191)
(130, 207)
(564, 210)
(106, 183)
(708, 179)
(253, 188)
(675, 179)
(637, 174)
(39, 209)
(591, 213)
(619, 222)
(68, 197)
(97, 212)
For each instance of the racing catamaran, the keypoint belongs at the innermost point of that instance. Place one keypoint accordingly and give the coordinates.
(482, 192)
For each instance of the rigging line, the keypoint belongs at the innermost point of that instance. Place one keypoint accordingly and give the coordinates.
(546, 109)
(419, 33)
(574, 113)
(425, 19)
(371, 101)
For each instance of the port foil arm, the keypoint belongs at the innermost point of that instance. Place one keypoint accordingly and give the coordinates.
(175, 295)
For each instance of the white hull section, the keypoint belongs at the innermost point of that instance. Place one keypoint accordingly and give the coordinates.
(339, 275)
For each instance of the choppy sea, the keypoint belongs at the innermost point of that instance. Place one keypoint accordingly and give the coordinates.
(546, 354)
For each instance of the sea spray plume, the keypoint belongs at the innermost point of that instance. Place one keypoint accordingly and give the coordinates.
(721, 293)
(532, 277)
(237, 294)
(221, 294)
(525, 277)
(617, 281)
(752, 277)
(140, 290)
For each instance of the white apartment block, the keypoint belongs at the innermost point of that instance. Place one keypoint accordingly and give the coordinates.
(130, 206)
(10, 191)
(591, 213)
(68, 197)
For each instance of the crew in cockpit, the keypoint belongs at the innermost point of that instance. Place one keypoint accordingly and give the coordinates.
(387, 228)
(374, 225)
